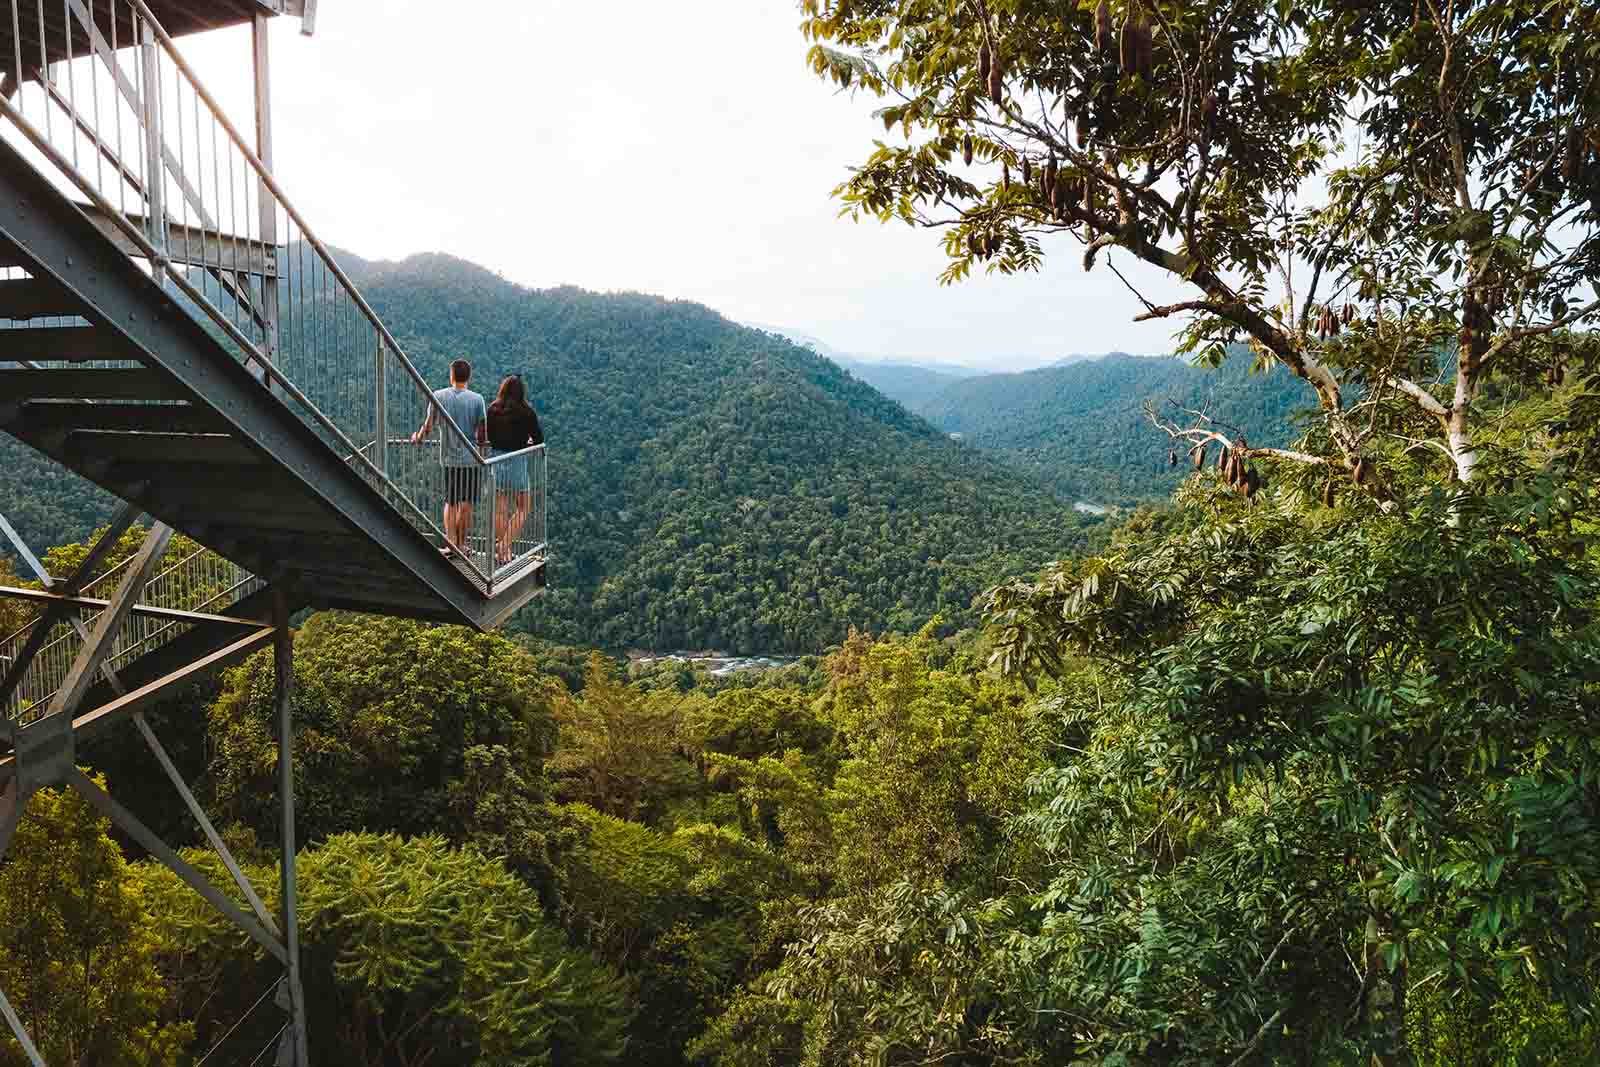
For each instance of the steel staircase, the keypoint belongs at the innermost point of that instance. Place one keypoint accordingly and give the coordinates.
(173, 331)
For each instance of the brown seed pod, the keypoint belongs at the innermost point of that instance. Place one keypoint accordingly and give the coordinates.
(997, 83)
(1208, 114)
(1102, 27)
(1005, 177)
(1349, 314)
(1572, 163)
(966, 150)
(1360, 472)
(1146, 52)
(1199, 457)
(972, 244)
(1327, 495)
(983, 62)
(1127, 46)
(1047, 177)
(1224, 458)
(1058, 194)
(1027, 171)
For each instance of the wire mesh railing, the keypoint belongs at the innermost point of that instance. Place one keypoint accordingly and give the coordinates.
(106, 103)
(188, 579)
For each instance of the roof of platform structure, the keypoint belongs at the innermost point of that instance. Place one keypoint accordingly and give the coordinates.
(115, 19)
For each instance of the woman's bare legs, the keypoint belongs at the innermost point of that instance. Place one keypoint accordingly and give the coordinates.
(502, 527)
(519, 518)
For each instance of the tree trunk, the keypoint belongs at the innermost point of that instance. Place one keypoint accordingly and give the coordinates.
(1385, 1005)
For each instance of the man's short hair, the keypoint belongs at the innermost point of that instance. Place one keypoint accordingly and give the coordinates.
(460, 371)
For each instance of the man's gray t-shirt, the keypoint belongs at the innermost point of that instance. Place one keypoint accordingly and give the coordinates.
(466, 409)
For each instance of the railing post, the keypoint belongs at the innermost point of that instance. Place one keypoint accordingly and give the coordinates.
(155, 177)
(380, 413)
(264, 196)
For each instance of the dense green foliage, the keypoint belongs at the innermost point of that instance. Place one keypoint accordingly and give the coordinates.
(413, 952)
(48, 504)
(1083, 428)
(78, 952)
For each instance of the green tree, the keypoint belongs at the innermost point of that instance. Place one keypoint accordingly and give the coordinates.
(1318, 736)
(619, 748)
(399, 726)
(1357, 190)
(412, 952)
(77, 947)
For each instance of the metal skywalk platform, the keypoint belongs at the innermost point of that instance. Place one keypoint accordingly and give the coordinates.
(172, 330)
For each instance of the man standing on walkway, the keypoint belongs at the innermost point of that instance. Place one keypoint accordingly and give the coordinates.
(462, 471)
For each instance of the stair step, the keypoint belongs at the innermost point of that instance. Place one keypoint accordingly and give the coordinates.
(74, 383)
(62, 344)
(111, 446)
(45, 416)
(33, 298)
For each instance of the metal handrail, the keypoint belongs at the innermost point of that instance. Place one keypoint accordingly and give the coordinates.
(299, 220)
(157, 169)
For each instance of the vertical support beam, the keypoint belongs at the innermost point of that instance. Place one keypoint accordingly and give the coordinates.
(155, 178)
(265, 200)
(283, 699)
(380, 413)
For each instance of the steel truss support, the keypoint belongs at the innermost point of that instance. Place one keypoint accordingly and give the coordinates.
(43, 754)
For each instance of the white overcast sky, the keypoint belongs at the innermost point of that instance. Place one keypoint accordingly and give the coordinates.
(678, 149)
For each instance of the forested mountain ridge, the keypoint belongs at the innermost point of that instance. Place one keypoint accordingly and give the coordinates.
(711, 485)
(727, 488)
(1081, 426)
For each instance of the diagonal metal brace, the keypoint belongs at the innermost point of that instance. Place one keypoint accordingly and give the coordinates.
(101, 641)
(130, 824)
(54, 612)
(210, 831)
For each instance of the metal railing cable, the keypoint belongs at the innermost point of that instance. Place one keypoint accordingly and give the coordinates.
(219, 232)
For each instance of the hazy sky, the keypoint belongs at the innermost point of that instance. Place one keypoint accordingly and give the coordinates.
(679, 149)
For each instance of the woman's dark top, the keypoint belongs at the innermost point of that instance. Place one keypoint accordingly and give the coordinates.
(511, 430)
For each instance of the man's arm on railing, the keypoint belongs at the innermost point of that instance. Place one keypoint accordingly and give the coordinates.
(427, 428)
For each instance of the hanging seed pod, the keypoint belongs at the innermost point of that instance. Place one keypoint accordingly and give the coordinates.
(1058, 194)
(983, 62)
(1199, 457)
(966, 150)
(1146, 52)
(1360, 472)
(1224, 459)
(1208, 114)
(1102, 28)
(1047, 178)
(1127, 45)
(972, 244)
(1252, 484)
(997, 83)
(1349, 314)
(1327, 495)
(1572, 162)
(1005, 177)
(1027, 171)
(1172, 458)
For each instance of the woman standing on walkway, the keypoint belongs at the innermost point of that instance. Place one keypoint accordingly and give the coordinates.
(513, 426)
